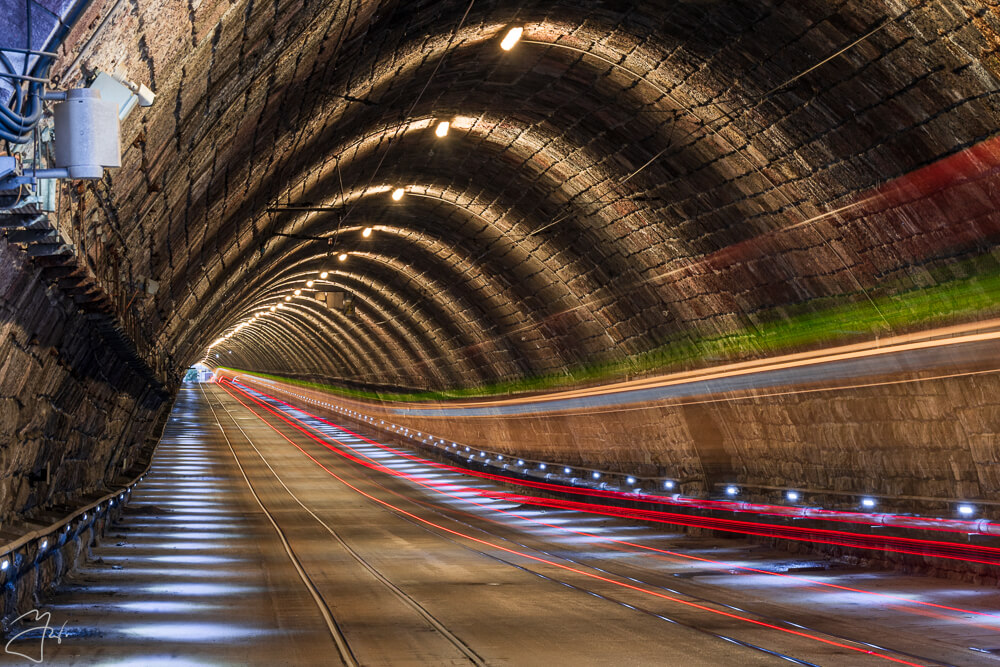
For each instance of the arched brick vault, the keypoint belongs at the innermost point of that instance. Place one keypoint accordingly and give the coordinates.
(414, 296)
(370, 339)
(259, 103)
(423, 329)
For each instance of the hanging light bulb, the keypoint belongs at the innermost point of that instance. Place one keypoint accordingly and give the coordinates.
(367, 232)
(324, 275)
(398, 193)
(342, 257)
(442, 128)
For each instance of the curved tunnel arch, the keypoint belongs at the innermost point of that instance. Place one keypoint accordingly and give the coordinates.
(287, 337)
(397, 341)
(262, 286)
(412, 279)
(724, 199)
(309, 344)
(647, 51)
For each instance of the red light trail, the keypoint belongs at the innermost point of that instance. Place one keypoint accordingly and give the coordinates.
(568, 505)
(904, 545)
(561, 566)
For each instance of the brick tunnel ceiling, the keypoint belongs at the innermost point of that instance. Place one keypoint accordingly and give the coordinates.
(583, 208)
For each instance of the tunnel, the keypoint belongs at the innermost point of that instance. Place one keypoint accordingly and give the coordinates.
(411, 332)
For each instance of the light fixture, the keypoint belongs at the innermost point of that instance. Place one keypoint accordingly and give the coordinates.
(792, 496)
(630, 480)
(342, 256)
(310, 283)
(966, 510)
(324, 275)
(298, 291)
(281, 305)
(541, 466)
(273, 308)
(520, 462)
(567, 470)
(731, 490)
(366, 232)
(4, 565)
(868, 503)
(288, 298)
(669, 484)
(398, 193)
(442, 128)
(595, 475)
(45, 544)
(512, 37)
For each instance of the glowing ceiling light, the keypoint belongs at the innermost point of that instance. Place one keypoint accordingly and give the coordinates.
(281, 305)
(367, 232)
(288, 298)
(398, 193)
(731, 490)
(668, 484)
(868, 503)
(324, 275)
(512, 37)
(342, 257)
(792, 496)
(298, 291)
(442, 128)
(966, 510)
(273, 308)
(567, 470)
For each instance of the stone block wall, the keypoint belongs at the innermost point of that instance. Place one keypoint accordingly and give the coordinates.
(918, 446)
(73, 414)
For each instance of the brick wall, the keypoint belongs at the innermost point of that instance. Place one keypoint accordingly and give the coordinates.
(68, 399)
(311, 103)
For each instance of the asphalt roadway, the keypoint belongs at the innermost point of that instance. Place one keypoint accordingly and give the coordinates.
(266, 537)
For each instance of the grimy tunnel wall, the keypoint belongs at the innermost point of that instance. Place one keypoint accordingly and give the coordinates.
(75, 416)
(637, 186)
(916, 445)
